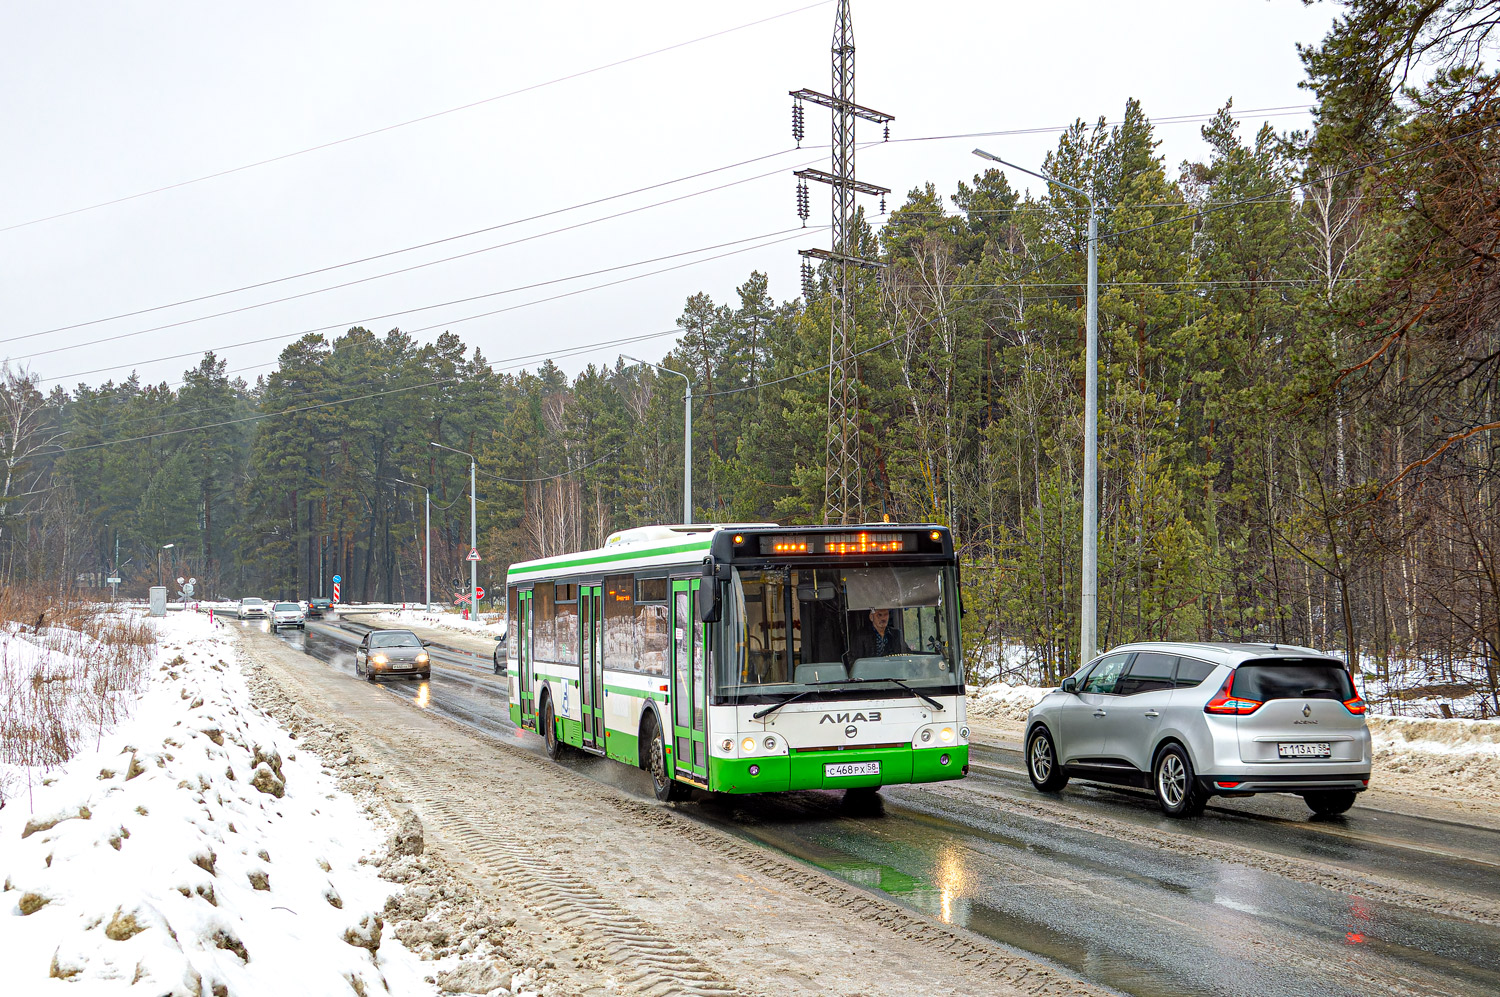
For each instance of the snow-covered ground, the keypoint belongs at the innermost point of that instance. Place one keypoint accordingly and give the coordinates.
(191, 849)
(1004, 702)
(488, 624)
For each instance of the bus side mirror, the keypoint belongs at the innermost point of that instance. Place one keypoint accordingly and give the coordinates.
(709, 604)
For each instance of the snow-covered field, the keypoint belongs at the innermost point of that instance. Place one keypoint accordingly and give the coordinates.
(1003, 702)
(190, 849)
(488, 624)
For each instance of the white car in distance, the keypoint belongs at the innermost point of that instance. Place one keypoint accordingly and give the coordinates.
(288, 614)
(253, 609)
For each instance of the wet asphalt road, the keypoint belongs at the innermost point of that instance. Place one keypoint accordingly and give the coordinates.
(1126, 913)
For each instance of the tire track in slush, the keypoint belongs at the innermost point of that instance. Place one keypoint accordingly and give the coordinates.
(665, 969)
(654, 965)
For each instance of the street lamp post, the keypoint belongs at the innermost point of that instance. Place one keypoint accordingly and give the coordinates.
(687, 437)
(473, 528)
(427, 536)
(160, 580)
(1089, 610)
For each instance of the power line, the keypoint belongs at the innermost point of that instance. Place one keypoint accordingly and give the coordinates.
(260, 416)
(524, 287)
(563, 210)
(1285, 110)
(469, 318)
(546, 214)
(554, 477)
(428, 245)
(412, 121)
(507, 363)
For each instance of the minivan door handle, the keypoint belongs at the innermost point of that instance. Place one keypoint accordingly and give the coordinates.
(1152, 713)
(1100, 713)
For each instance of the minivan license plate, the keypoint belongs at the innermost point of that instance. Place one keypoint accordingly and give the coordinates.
(1304, 749)
(850, 768)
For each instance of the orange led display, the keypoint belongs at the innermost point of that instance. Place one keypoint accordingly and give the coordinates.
(865, 543)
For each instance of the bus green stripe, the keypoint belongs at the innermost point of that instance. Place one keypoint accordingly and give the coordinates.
(621, 690)
(578, 562)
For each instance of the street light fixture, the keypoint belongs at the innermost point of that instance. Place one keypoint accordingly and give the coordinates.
(1089, 611)
(427, 536)
(473, 527)
(160, 579)
(687, 437)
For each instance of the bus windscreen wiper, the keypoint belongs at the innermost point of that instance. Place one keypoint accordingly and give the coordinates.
(920, 695)
(772, 709)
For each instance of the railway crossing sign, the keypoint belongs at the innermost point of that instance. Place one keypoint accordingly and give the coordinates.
(336, 580)
(473, 554)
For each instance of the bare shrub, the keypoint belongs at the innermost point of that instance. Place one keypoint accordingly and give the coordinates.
(68, 669)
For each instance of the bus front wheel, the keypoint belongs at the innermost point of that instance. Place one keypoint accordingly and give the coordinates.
(654, 761)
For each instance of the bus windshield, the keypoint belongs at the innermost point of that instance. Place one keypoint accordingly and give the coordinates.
(804, 630)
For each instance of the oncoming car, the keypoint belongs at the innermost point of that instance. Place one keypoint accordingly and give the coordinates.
(288, 614)
(252, 609)
(1192, 721)
(392, 652)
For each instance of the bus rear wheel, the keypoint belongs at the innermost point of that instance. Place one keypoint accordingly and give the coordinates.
(654, 761)
(548, 724)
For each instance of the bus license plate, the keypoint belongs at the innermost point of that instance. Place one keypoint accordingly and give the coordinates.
(1302, 749)
(837, 769)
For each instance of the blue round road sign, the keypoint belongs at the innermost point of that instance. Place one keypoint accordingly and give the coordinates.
(337, 579)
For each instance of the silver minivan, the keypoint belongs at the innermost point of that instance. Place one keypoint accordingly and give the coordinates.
(1191, 721)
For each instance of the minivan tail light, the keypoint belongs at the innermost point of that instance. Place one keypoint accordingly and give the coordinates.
(1224, 703)
(1355, 706)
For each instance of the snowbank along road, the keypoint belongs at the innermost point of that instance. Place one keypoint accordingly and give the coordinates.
(1253, 898)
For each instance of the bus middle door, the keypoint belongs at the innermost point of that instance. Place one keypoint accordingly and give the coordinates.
(525, 682)
(591, 675)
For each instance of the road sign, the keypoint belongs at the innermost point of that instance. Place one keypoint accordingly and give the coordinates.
(337, 579)
(473, 554)
(335, 590)
(479, 592)
(112, 580)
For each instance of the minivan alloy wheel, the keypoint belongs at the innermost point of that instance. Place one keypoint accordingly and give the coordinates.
(1042, 766)
(1171, 780)
(1041, 758)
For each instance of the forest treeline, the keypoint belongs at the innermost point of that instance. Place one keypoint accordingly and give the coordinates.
(1299, 353)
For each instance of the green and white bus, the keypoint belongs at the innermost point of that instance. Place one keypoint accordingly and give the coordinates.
(747, 658)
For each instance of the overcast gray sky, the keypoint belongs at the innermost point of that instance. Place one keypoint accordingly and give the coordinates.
(105, 100)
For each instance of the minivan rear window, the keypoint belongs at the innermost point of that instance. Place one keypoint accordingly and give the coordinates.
(1285, 678)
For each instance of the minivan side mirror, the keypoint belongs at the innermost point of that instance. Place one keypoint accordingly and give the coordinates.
(1069, 685)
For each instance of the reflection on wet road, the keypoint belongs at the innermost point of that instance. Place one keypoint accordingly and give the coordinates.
(1107, 902)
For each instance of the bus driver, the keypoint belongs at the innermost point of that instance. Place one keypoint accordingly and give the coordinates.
(881, 639)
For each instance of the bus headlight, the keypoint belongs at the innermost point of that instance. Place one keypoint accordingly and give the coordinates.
(770, 743)
(963, 732)
(748, 744)
(946, 734)
(727, 744)
(926, 734)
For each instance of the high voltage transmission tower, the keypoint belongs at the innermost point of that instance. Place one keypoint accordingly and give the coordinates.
(843, 482)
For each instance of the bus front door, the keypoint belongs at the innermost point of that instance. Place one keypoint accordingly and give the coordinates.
(591, 675)
(689, 695)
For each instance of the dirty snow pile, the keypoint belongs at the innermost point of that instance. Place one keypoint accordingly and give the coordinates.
(1448, 757)
(193, 852)
(1005, 702)
(488, 624)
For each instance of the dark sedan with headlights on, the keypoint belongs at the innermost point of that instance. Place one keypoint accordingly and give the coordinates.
(392, 653)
